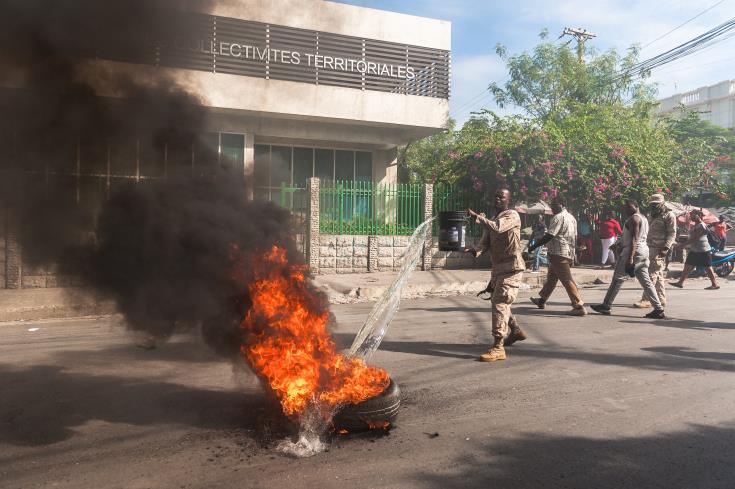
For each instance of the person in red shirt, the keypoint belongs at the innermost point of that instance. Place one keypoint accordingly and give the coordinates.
(609, 230)
(720, 230)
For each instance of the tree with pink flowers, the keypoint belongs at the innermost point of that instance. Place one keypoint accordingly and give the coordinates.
(582, 131)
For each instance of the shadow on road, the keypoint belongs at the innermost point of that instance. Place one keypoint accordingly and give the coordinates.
(697, 458)
(663, 358)
(679, 351)
(686, 324)
(44, 404)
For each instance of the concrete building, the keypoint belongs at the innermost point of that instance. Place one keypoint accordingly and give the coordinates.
(302, 88)
(715, 103)
(291, 89)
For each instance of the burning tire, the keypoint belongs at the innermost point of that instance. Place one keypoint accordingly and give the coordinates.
(378, 412)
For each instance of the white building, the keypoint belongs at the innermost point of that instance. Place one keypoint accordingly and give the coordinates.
(715, 103)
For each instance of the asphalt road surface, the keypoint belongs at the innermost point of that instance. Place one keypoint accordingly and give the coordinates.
(595, 402)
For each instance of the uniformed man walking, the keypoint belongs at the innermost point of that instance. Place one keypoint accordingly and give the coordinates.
(502, 238)
(633, 261)
(562, 241)
(661, 237)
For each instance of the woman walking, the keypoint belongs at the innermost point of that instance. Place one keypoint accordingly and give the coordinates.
(699, 252)
(609, 230)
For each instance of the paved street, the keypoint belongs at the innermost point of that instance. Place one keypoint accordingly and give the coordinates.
(596, 402)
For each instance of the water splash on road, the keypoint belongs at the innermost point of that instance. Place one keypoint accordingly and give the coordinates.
(376, 325)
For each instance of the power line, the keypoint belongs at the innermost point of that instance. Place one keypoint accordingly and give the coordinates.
(460, 110)
(699, 43)
(683, 23)
(481, 102)
(708, 39)
(692, 67)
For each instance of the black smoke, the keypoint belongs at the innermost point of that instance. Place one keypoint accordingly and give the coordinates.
(168, 253)
(162, 249)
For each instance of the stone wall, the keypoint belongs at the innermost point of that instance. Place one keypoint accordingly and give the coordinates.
(455, 260)
(343, 254)
(360, 254)
(46, 276)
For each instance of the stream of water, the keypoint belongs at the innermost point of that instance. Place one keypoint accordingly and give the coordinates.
(376, 325)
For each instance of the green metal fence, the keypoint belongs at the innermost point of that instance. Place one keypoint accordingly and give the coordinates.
(456, 198)
(365, 208)
(296, 200)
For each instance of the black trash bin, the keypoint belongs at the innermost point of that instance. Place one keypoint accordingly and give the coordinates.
(452, 230)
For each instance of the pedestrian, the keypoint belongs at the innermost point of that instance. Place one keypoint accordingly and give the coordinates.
(661, 237)
(538, 232)
(502, 238)
(609, 230)
(585, 240)
(720, 229)
(699, 254)
(634, 262)
(561, 239)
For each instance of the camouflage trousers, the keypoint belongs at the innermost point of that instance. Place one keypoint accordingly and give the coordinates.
(658, 275)
(505, 291)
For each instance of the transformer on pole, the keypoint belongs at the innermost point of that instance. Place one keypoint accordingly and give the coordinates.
(582, 36)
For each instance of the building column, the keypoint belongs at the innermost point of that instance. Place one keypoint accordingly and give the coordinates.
(249, 165)
(312, 241)
(13, 257)
(2, 246)
(385, 166)
(428, 213)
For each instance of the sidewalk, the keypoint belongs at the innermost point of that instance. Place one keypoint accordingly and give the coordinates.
(366, 287)
(35, 304)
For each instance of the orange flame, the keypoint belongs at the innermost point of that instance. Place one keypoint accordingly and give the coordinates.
(289, 346)
(378, 425)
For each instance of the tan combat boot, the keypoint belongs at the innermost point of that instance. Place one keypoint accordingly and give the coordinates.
(496, 352)
(516, 333)
(642, 304)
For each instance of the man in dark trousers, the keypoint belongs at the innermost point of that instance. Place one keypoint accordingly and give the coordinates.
(502, 238)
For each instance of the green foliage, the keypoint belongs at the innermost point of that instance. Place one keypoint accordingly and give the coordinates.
(586, 133)
(550, 80)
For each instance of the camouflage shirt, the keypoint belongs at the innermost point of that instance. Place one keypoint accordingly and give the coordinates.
(502, 237)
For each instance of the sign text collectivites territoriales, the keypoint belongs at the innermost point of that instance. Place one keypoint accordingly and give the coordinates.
(237, 50)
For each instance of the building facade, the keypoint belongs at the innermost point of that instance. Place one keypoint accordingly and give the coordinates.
(714, 103)
(290, 89)
(302, 88)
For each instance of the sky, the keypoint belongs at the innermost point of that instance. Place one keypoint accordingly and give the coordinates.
(478, 25)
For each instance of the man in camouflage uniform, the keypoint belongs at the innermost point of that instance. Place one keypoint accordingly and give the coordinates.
(661, 237)
(502, 238)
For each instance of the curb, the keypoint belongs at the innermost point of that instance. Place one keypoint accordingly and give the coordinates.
(444, 289)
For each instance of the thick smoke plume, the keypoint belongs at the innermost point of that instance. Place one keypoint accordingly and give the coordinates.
(163, 250)
(167, 253)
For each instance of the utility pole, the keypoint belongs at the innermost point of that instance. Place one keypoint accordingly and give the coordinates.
(581, 35)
